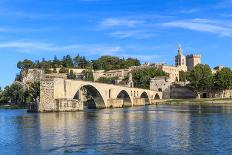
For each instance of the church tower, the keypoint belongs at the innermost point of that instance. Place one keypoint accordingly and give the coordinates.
(180, 59)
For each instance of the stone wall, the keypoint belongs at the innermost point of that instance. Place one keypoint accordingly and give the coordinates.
(180, 92)
(52, 97)
(115, 103)
(46, 95)
(161, 84)
(68, 105)
(222, 94)
(140, 102)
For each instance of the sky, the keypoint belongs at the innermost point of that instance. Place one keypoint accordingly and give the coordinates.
(149, 30)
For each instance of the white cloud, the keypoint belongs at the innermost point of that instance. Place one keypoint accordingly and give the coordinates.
(116, 22)
(202, 25)
(131, 33)
(25, 30)
(35, 47)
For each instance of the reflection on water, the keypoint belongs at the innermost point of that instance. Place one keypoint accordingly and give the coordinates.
(138, 130)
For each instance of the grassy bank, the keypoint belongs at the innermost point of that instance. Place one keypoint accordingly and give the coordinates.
(7, 106)
(211, 101)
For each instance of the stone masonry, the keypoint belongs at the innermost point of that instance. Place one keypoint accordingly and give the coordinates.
(60, 94)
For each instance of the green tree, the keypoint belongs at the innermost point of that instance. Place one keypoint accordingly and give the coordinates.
(63, 70)
(141, 77)
(111, 80)
(201, 79)
(56, 62)
(45, 64)
(34, 91)
(130, 62)
(113, 62)
(81, 62)
(71, 75)
(183, 76)
(25, 64)
(47, 71)
(14, 93)
(76, 61)
(54, 70)
(107, 63)
(223, 80)
(67, 61)
(37, 64)
(88, 75)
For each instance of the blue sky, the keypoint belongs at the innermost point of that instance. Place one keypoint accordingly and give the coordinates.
(147, 29)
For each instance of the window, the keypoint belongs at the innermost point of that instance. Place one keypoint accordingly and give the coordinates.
(109, 93)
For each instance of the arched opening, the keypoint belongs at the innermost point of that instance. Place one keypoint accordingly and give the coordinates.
(160, 90)
(204, 95)
(91, 97)
(123, 95)
(145, 96)
(157, 97)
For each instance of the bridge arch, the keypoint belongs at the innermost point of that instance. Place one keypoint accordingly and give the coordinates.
(144, 95)
(124, 95)
(157, 96)
(92, 97)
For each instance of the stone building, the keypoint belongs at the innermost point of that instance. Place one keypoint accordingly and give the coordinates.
(182, 63)
(193, 60)
(217, 68)
(121, 73)
(161, 84)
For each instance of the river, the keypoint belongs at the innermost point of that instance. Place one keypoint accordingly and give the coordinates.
(162, 129)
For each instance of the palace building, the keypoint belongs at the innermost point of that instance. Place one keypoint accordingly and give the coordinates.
(193, 60)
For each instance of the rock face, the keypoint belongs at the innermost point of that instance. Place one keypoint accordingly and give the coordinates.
(32, 75)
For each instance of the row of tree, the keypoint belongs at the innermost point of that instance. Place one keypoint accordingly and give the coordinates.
(18, 93)
(202, 79)
(102, 63)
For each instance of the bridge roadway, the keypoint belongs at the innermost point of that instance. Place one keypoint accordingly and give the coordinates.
(59, 94)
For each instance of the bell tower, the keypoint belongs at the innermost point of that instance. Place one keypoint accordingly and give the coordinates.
(180, 59)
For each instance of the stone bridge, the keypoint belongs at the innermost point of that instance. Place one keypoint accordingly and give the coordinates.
(59, 94)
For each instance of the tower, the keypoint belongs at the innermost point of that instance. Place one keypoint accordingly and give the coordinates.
(180, 59)
(193, 60)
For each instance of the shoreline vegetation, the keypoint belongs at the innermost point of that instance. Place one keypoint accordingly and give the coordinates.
(11, 107)
(205, 101)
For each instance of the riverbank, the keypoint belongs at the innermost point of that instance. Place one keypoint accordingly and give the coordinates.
(7, 106)
(208, 101)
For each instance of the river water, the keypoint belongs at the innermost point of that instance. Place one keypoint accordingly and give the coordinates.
(139, 130)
